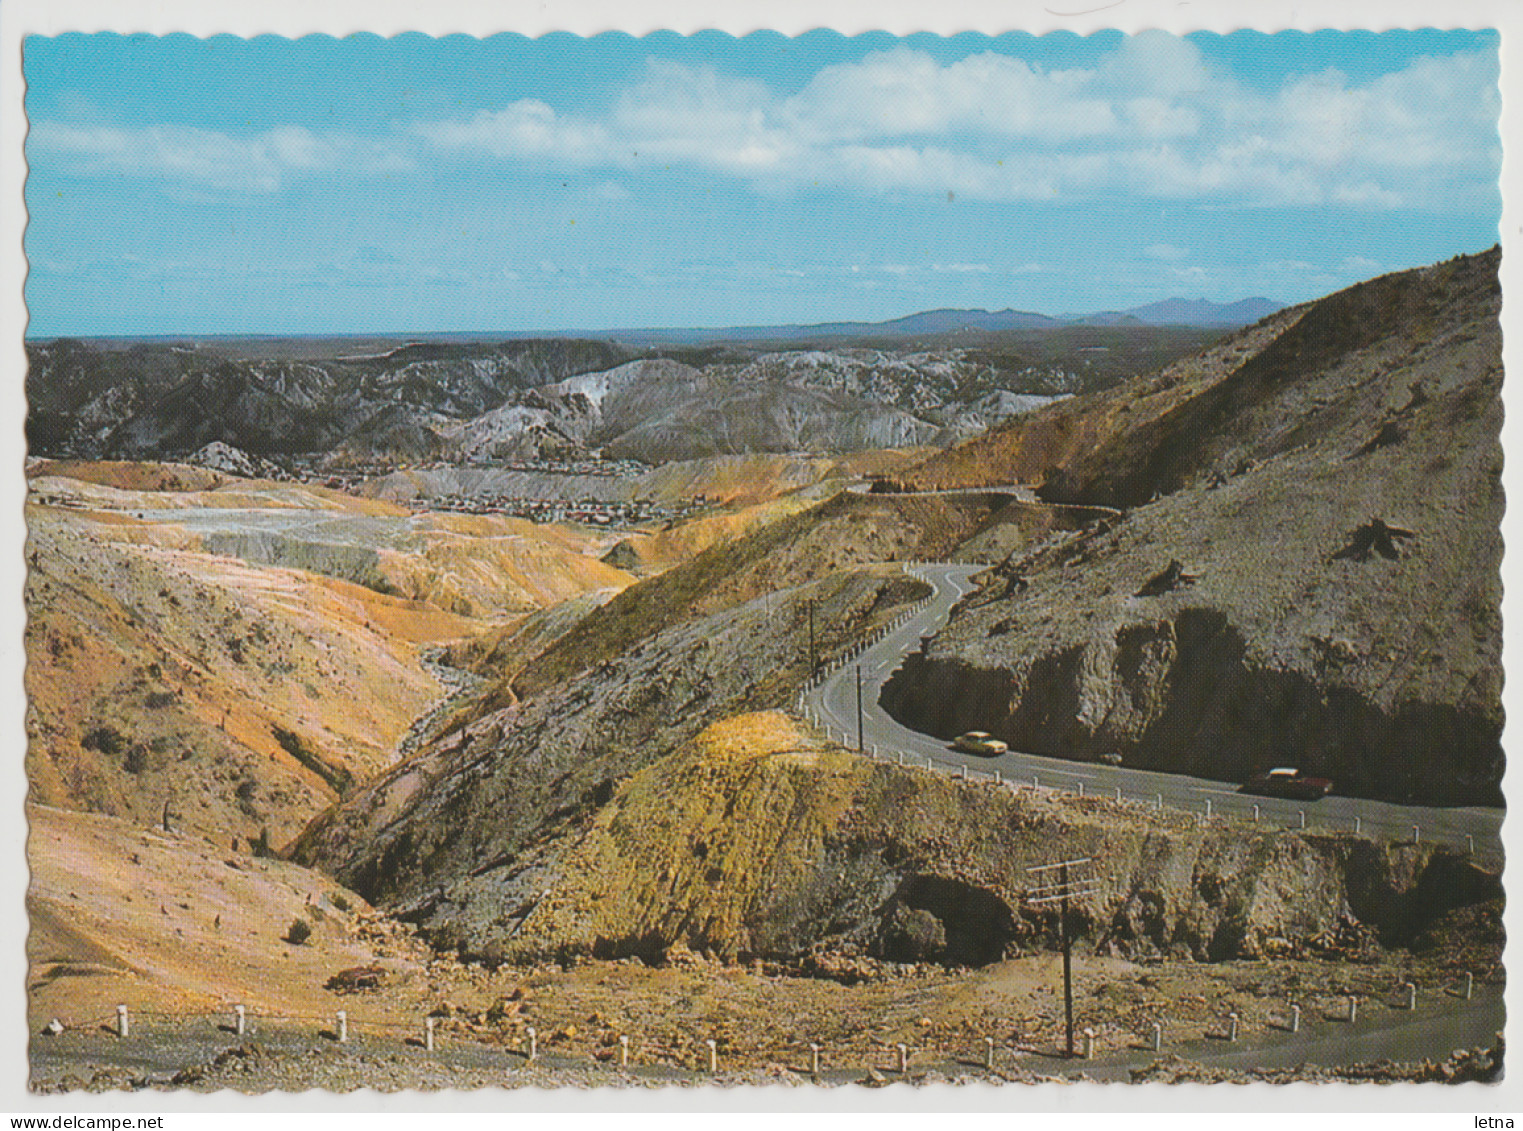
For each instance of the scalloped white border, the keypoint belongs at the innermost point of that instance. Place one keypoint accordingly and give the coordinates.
(1402, 1106)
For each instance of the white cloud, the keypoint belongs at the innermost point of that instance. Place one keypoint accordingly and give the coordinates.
(1153, 119)
(525, 129)
(1165, 251)
(903, 92)
(260, 163)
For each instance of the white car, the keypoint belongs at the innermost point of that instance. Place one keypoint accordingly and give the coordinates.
(980, 742)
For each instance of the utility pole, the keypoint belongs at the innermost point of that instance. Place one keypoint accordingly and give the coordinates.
(814, 663)
(1060, 891)
(859, 709)
(1068, 962)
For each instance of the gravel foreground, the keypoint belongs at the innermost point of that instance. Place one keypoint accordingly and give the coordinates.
(286, 1061)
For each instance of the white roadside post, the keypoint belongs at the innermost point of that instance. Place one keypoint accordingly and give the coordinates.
(122, 1025)
(428, 1034)
(1357, 824)
(343, 1027)
(240, 1020)
(904, 1059)
(1158, 802)
(1118, 795)
(1301, 813)
(1295, 1018)
(1232, 1026)
(814, 1060)
(713, 1047)
(1089, 1044)
(1417, 835)
(989, 1053)
(1469, 985)
(1157, 1037)
(1255, 812)
(1353, 1008)
(1208, 807)
(533, 1043)
(1470, 844)
(1411, 989)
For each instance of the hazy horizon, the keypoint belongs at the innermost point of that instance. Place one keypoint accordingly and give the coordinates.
(1065, 317)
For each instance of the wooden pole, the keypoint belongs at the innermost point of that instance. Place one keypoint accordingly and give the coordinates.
(859, 708)
(1068, 969)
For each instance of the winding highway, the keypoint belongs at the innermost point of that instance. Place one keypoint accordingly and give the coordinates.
(832, 702)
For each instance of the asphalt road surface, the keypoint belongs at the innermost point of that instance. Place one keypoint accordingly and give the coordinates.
(833, 702)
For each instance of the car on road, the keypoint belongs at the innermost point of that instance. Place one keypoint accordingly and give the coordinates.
(980, 742)
(1288, 783)
(1110, 758)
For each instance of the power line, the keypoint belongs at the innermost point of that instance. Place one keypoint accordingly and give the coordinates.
(1059, 885)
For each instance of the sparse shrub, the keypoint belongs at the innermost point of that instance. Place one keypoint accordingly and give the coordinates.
(160, 699)
(338, 777)
(338, 901)
(298, 932)
(261, 845)
(137, 759)
(107, 740)
(246, 790)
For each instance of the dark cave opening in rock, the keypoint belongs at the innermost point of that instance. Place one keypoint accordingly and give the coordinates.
(944, 920)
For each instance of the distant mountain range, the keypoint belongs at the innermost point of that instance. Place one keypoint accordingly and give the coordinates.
(1199, 313)
(1188, 312)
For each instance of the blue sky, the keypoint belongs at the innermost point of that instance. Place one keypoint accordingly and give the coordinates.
(187, 186)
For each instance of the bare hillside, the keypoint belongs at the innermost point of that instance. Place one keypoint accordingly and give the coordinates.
(1316, 581)
(247, 652)
(442, 831)
(841, 533)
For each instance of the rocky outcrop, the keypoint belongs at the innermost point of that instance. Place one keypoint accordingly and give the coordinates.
(1183, 696)
(1281, 591)
(218, 456)
(754, 840)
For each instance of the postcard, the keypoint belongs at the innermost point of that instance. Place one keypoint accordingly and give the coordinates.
(816, 558)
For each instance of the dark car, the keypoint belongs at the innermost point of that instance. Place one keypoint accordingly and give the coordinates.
(1287, 783)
